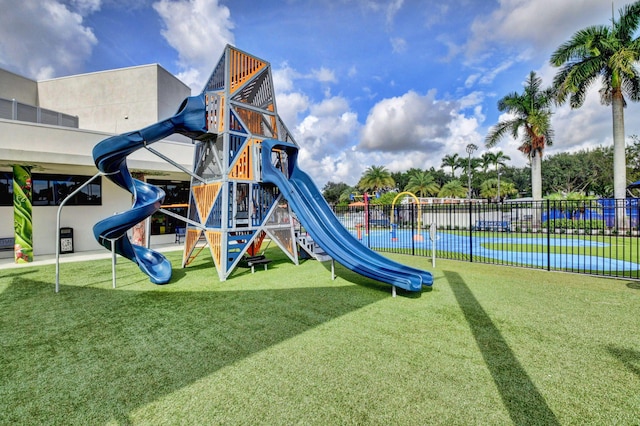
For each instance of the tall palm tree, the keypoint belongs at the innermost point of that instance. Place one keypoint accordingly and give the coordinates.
(452, 161)
(488, 160)
(376, 178)
(531, 113)
(422, 184)
(500, 159)
(607, 54)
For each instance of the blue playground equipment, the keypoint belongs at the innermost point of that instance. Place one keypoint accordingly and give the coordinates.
(110, 157)
(245, 167)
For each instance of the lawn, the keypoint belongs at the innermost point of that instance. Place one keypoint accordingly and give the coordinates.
(485, 345)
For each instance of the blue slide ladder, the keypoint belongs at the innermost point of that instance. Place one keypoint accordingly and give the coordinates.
(110, 157)
(325, 228)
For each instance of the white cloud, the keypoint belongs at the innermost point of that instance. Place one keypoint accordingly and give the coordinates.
(398, 44)
(291, 106)
(283, 78)
(541, 24)
(85, 7)
(198, 30)
(43, 38)
(407, 123)
(324, 75)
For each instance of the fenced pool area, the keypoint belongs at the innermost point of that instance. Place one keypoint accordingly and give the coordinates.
(588, 237)
(508, 249)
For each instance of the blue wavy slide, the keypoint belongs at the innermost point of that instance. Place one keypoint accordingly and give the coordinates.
(110, 157)
(325, 228)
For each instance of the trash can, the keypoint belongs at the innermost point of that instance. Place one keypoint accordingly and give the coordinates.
(66, 240)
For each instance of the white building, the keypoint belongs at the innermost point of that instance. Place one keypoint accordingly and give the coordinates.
(53, 125)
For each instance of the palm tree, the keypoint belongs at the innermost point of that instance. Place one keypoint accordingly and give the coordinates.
(453, 189)
(500, 159)
(607, 54)
(490, 189)
(452, 161)
(488, 160)
(376, 178)
(531, 112)
(422, 184)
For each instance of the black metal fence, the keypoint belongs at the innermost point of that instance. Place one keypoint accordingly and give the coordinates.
(599, 237)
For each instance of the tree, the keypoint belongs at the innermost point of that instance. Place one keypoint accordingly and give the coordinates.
(633, 159)
(488, 160)
(608, 54)
(531, 114)
(376, 178)
(489, 189)
(499, 159)
(345, 196)
(586, 171)
(452, 161)
(422, 184)
(453, 189)
(332, 192)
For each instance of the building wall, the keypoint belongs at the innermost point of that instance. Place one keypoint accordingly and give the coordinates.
(22, 89)
(107, 103)
(115, 101)
(171, 93)
(59, 150)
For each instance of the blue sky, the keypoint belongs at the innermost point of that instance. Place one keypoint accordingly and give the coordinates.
(399, 83)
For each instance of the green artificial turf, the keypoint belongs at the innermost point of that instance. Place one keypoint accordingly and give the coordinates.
(486, 345)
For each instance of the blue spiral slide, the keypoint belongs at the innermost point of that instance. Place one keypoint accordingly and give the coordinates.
(110, 157)
(319, 220)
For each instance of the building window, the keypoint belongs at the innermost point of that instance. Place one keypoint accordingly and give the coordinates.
(6, 189)
(175, 200)
(51, 190)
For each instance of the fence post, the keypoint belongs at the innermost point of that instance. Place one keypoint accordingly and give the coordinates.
(413, 229)
(470, 232)
(548, 235)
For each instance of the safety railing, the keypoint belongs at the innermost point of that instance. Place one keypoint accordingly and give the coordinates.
(595, 237)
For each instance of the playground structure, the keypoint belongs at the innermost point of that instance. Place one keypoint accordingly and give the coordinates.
(418, 235)
(244, 184)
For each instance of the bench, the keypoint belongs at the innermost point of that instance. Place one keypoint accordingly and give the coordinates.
(7, 243)
(180, 232)
(252, 261)
(493, 225)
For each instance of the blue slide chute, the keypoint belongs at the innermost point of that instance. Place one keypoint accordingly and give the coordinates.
(325, 228)
(110, 157)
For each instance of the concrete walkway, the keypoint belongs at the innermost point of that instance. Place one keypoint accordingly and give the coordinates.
(50, 259)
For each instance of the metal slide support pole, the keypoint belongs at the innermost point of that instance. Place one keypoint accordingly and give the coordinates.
(70, 196)
(333, 269)
(393, 291)
(182, 218)
(433, 236)
(113, 263)
(173, 163)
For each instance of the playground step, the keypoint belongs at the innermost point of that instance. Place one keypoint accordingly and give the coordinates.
(307, 243)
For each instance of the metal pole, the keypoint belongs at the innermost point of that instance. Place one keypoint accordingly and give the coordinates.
(113, 263)
(70, 196)
(470, 149)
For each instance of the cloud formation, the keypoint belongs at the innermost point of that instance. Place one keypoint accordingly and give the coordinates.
(44, 38)
(198, 30)
(408, 122)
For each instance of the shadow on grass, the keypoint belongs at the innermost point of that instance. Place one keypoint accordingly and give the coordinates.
(630, 358)
(519, 394)
(634, 285)
(91, 356)
(355, 278)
